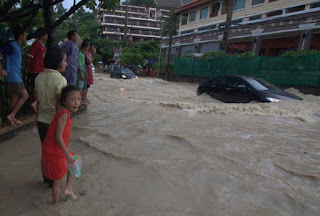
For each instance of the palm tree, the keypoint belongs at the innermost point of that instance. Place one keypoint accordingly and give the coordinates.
(224, 42)
(170, 27)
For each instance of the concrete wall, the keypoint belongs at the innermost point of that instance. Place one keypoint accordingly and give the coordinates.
(245, 13)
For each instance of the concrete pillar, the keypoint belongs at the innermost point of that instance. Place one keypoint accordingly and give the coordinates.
(256, 45)
(178, 51)
(197, 48)
(220, 9)
(305, 40)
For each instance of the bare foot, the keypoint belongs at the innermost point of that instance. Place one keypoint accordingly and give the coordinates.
(11, 120)
(17, 122)
(69, 193)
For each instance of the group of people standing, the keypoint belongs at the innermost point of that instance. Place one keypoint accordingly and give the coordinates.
(79, 64)
(57, 75)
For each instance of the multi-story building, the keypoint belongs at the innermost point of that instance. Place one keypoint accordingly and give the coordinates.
(143, 22)
(266, 27)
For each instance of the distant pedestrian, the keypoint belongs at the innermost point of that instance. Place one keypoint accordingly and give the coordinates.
(82, 73)
(35, 58)
(55, 153)
(72, 51)
(88, 62)
(12, 67)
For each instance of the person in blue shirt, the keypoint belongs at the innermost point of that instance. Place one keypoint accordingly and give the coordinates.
(72, 51)
(12, 66)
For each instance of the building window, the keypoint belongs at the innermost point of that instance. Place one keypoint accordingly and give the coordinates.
(257, 17)
(272, 0)
(275, 13)
(239, 4)
(184, 19)
(188, 31)
(207, 28)
(214, 10)
(204, 13)
(192, 16)
(236, 22)
(256, 2)
(294, 9)
(315, 5)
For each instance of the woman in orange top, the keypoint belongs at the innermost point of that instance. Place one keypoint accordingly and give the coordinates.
(55, 154)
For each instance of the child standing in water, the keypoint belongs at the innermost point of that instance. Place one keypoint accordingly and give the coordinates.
(82, 74)
(55, 154)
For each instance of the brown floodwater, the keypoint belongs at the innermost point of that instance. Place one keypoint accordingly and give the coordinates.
(152, 147)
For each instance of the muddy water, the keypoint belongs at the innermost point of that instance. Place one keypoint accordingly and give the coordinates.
(152, 147)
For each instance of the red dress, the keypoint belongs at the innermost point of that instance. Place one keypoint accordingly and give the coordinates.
(54, 161)
(88, 61)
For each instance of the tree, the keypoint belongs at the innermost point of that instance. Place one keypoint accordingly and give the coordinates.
(224, 42)
(170, 27)
(28, 9)
(140, 51)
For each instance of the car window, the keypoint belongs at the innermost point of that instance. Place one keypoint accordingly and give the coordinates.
(217, 81)
(117, 71)
(234, 82)
(262, 85)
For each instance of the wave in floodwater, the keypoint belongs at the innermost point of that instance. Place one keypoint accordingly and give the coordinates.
(183, 96)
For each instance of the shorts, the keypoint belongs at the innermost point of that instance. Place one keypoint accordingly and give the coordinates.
(15, 88)
(88, 86)
(42, 130)
(32, 78)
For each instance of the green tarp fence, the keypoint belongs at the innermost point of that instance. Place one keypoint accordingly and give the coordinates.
(295, 71)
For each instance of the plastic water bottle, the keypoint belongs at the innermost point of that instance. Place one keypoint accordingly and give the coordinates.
(75, 167)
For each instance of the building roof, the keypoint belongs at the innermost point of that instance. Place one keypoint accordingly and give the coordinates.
(169, 4)
(189, 5)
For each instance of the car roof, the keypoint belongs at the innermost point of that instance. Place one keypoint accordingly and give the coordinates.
(244, 77)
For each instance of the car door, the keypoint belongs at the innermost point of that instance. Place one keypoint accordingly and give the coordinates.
(117, 73)
(236, 90)
(215, 88)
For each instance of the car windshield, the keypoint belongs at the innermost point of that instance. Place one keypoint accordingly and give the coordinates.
(262, 85)
(127, 72)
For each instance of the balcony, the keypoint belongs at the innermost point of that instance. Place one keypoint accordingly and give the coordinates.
(214, 14)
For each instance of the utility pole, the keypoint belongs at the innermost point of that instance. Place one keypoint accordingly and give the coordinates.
(224, 42)
(126, 23)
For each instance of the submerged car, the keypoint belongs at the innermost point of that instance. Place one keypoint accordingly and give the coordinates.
(243, 89)
(122, 73)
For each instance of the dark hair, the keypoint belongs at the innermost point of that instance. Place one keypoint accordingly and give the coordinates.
(71, 33)
(17, 31)
(85, 43)
(65, 91)
(93, 45)
(53, 57)
(42, 32)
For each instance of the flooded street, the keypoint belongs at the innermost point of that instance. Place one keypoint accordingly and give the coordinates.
(152, 147)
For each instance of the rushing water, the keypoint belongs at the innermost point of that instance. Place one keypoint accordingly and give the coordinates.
(152, 147)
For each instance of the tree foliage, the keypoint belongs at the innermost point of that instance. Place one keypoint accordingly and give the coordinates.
(218, 54)
(302, 52)
(140, 51)
(105, 48)
(23, 12)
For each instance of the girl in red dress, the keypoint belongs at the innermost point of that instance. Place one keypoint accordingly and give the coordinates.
(89, 75)
(55, 154)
